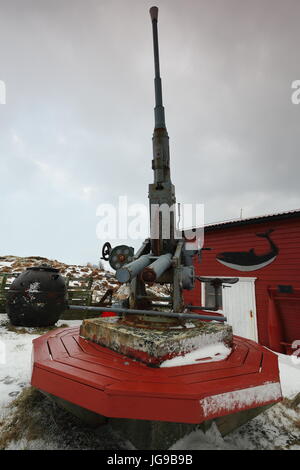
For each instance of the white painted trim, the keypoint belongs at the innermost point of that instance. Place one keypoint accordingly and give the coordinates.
(241, 279)
(254, 311)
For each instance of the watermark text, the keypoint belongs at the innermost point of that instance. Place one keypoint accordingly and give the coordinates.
(2, 92)
(132, 221)
(295, 97)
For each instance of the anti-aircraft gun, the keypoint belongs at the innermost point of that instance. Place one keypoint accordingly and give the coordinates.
(121, 368)
(166, 257)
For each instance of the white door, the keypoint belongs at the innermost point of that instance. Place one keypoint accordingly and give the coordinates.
(238, 305)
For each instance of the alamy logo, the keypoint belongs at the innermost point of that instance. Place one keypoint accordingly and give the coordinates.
(2, 92)
(131, 221)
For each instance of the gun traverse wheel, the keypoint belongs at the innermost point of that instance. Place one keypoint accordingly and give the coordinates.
(120, 255)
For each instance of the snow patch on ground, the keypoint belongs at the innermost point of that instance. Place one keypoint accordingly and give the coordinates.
(198, 440)
(15, 369)
(289, 375)
(15, 372)
(6, 264)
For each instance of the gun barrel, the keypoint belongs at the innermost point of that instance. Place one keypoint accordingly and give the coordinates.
(157, 268)
(153, 13)
(159, 111)
(131, 270)
(127, 311)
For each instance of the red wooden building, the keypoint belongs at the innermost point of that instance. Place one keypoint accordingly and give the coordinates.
(264, 253)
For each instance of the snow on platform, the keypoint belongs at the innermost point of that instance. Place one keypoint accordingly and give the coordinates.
(210, 353)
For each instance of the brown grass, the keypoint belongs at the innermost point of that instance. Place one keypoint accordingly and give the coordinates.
(21, 421)
(292, 402)
(297, 423)
(33, 416)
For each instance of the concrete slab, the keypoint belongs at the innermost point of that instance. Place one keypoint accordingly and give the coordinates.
(153, 346)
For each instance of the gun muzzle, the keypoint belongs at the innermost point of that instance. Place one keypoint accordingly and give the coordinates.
(157, 268)
(153, 13)
(131, 270)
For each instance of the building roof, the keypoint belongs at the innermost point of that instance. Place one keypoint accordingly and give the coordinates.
(252, 220)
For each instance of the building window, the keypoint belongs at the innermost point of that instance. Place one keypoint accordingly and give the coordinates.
(209, 296)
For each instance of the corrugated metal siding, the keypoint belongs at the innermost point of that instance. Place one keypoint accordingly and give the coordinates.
(284, 270)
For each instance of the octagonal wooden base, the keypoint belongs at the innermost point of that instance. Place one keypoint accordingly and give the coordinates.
(112, 385)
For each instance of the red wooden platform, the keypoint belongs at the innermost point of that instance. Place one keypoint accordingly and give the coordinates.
(110, 384)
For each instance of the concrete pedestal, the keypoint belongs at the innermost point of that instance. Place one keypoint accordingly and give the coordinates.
(153, 346)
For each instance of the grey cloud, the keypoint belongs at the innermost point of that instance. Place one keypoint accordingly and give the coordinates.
(76, 129)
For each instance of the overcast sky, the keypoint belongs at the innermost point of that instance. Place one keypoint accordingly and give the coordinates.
(77, 125)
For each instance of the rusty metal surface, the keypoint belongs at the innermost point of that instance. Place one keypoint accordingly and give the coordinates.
(157, 323)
